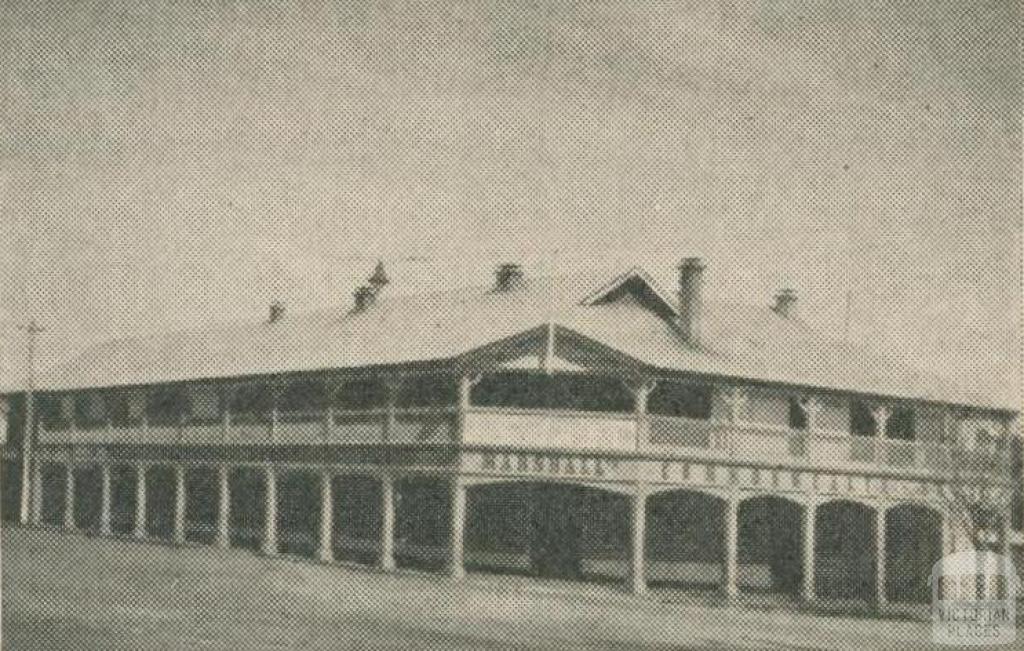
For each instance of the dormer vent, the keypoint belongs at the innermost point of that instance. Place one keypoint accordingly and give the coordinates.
(379, 277)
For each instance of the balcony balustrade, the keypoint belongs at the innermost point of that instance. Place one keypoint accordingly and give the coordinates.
(545, 429)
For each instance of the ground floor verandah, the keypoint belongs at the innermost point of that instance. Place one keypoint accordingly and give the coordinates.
(802, 546)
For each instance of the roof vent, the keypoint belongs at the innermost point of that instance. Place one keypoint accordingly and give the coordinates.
(691, 298)
(364, 296)
(785, 303)
(276, 312)
(508, 276)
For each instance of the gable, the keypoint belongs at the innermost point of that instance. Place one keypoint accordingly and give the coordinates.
(635, 285)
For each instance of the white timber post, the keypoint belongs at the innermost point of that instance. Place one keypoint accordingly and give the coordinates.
(731, 583)
(140, 500)
(105, 528)
(326, 517)
(638, 526)
(737, 402)
(466, 384)
(270, 512)
(393, 386)
(807, 586)
(641, 391)
(179, 504)
(387, 529)
(69, 495)
(880, 594)
(224, 507)
(458, 526)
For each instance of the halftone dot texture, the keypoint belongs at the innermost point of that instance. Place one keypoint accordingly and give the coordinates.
(170, 169)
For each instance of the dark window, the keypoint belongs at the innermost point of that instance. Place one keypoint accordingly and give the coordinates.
(901, 424)
(166, 406)
(862, 423)
(304, 396)
(797, 415)
(119, 407)
(428, 391)
(362, 395)
(687, 400)
(90, 411)
(251, 402)
(51, 413)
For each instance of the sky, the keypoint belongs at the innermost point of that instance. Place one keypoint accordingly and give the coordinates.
(166, 164)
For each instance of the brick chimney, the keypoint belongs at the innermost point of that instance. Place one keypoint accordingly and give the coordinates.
(276, 312)
(363, 296)
(508, 276)
(691, 298)
(785, 303)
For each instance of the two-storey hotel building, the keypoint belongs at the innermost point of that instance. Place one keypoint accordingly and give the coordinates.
(571, 426)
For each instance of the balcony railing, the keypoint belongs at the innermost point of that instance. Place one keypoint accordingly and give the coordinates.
(544, 429)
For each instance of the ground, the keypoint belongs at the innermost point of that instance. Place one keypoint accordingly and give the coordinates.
(64, 591)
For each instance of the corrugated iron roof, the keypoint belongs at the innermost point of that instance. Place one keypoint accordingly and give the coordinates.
(743, 342)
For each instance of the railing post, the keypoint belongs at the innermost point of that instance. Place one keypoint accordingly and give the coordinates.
(37, 491)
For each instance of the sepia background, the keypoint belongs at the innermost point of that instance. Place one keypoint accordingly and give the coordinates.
(165, 164)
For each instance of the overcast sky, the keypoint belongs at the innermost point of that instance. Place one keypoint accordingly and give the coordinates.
(164, 164)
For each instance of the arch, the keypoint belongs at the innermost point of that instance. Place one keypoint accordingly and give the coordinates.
(547, 528)
(913, 544)
(201, 495)
(247, 517)
(845, 550)
(358, 518)
(685, 538)
(422, 521)
(604, 487)
(87, 498)
(54, 480)
(770, 544)
(161, 487)
(123, 479)
(298, 512)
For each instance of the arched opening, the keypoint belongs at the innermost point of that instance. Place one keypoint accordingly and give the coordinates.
(54, 487)
(685, 541)
(547, 529)
(770, 545)
(88, 498)
(160, 496)
(298, 513)
(844, 551)
(201, 504)
(422, 523)
(913, 544)
(357, 519)
(248, 507)
(122, 499)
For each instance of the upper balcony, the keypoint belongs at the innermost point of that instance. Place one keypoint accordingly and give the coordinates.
(528, 411)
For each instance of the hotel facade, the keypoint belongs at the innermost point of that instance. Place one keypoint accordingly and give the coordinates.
(575, 427)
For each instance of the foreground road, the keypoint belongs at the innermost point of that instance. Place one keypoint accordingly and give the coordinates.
(73, 592)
